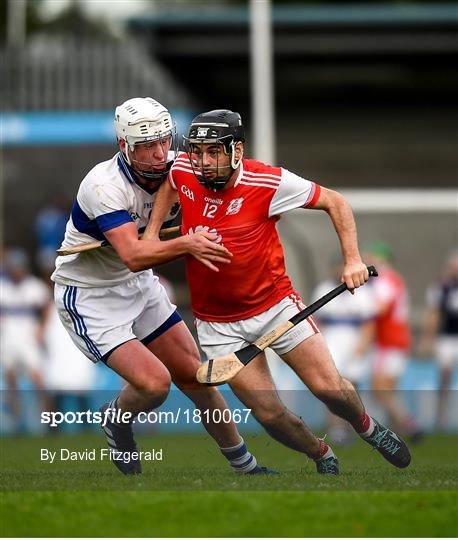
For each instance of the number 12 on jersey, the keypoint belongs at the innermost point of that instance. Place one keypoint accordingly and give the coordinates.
(210, 210)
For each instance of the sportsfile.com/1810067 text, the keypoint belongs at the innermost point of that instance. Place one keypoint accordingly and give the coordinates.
(186, 416)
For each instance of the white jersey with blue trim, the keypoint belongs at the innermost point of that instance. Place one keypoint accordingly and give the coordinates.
(107, 198)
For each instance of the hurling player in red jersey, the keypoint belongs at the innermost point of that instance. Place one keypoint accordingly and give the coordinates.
(239, 201)
(392, 338)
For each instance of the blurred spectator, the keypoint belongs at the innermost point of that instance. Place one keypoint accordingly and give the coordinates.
(348, 325)
(69, 377)
(392, 337)
(440, 330)
(50, 226)
(23, 302)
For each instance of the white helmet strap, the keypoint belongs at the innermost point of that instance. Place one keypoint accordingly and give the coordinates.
(235, 164)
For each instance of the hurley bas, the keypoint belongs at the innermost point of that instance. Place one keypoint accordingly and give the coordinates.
(98, 453)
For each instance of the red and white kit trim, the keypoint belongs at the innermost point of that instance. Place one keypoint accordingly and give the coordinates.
(270, 181)
(294, 296)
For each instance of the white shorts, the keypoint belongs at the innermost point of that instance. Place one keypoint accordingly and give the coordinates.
(354, 368)
(342, 341)
(20, 355)
(447, 351)
(219, 338)
(390, 362)
(99, 319)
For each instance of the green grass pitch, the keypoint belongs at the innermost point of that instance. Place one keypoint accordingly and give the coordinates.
(192, 492)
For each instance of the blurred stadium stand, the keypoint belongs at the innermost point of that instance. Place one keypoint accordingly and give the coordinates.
(361, 91)
(65, 74)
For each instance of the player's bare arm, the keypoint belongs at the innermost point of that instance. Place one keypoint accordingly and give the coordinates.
(333, 203)
(140, 255)
(166, 197)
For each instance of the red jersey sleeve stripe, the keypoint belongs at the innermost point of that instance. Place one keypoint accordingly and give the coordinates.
(179, 167)
(262, 175)
(261, 179)
(183, 163)
(258, 184)
(314, 195)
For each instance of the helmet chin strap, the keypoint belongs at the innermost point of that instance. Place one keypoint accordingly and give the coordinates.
(235, 164)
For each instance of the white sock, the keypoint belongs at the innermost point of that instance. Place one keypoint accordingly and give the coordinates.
(240, 459)
(329, 453)
(370, 430)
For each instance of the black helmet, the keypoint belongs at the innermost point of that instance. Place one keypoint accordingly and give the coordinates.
(220, 126)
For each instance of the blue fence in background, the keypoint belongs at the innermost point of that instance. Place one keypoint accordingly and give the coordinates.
(418, 389)
(68, 128)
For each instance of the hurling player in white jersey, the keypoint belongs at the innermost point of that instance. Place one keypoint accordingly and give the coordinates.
(24, 301)
(114, 307)
(241, 200)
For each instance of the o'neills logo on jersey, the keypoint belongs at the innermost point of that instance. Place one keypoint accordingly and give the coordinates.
(215, 201)
(189, 194)
(234, 206)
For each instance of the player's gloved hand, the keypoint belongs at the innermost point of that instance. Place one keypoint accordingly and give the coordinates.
(202, 246)
(354, 274)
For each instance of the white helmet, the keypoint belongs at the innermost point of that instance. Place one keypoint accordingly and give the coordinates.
(142, 120)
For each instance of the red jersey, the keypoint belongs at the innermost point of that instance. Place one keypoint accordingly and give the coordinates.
(392, 328)
(244, 219)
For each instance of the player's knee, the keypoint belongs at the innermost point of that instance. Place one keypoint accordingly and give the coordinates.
(163, 387)
(185, 377)
(325, 389)
(157, 388)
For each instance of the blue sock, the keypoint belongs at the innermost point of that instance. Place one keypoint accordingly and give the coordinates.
(240, 459)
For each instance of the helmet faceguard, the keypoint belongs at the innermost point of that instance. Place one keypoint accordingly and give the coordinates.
(149, 134)
(219, 127)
